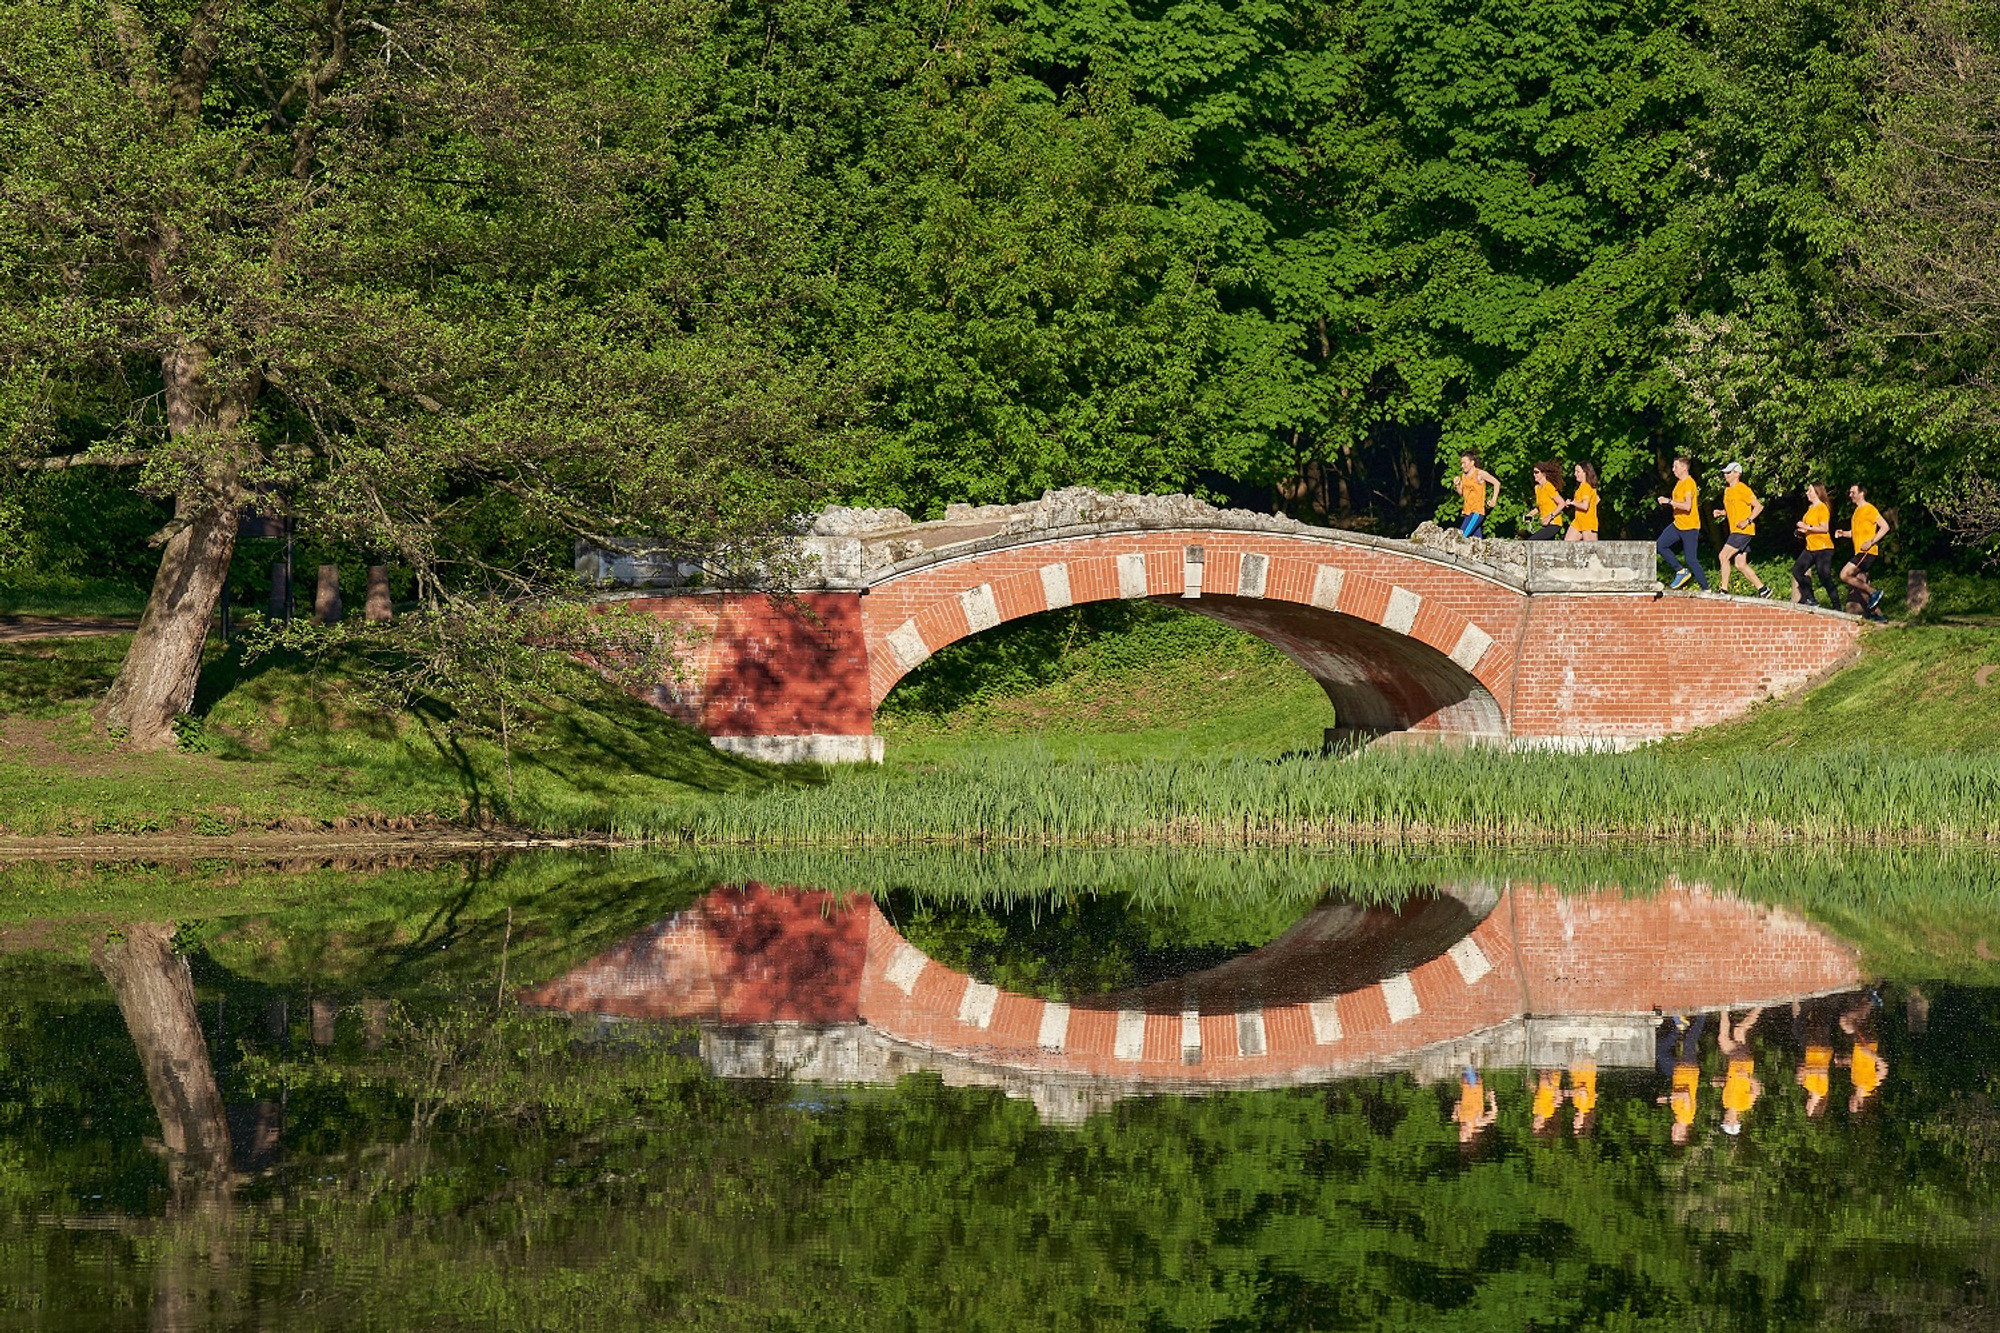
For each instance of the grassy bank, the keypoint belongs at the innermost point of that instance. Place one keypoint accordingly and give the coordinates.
(1135, 727)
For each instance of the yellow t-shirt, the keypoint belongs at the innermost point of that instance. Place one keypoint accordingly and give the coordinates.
(1819, 516)
(1583, 1087)
(1738, 1093)
(1687, 1086)
(1818, 1076)
(1471, 1103)
(1867, 1068)
(1867, 522)
(1586, 508)
(1687, 493)
(1548, 503)
(1472, 491)
(1545, 1097)
(1737, 502)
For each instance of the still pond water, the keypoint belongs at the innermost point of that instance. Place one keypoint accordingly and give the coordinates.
(572, 1092)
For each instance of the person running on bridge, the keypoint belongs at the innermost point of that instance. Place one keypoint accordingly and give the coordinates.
(1677, 1052)
(1685, 529)
(1549, 502)
(1583, 506)
(1817, 528)
(1583, 1094)
(1740, 506)
(1473, 1112)
(1868, 529)
(1473, 484)
(1739, 1084)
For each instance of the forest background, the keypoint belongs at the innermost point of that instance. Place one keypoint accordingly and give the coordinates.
(484, 277)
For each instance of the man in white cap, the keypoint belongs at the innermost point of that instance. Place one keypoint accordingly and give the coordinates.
(1740, 506)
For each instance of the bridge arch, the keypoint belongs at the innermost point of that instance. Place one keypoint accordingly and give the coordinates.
(1395, 649)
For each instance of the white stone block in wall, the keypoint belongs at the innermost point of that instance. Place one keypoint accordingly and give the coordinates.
(1250, 1032)
(1325, 1020)
(905, 966)
(1472, 645)
(1192, 560)
(1402, 612)
(1130, 1043)
(1471, 959)
(976, 1008)
(907, 645)
(1326, 587)
(1054, 1032)
(1250, 576)
(1131, 576)
(1055, 586)
(982, 612)
(1401, 997)
(1190, 1035)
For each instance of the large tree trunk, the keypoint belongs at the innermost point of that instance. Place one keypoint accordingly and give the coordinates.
(157, 680)
(156, 997)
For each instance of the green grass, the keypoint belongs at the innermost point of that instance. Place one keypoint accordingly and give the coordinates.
(1119, 680)
(283, 745)
(1119, 726)
(37, 594)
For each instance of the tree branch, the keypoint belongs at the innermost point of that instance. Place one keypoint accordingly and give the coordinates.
(59, 462)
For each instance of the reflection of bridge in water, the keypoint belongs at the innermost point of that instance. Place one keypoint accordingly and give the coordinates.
(806, 985)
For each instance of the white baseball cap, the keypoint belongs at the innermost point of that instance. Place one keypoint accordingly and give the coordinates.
(1733, 467)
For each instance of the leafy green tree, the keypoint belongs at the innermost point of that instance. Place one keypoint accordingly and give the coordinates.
(405, 268)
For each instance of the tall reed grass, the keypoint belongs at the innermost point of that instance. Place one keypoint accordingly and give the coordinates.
(1020, 798)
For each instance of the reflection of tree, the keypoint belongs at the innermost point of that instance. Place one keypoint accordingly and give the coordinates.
(155, 993)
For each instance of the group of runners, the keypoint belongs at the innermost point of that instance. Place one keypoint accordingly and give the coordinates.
(1817, 1025)
(1578, 517)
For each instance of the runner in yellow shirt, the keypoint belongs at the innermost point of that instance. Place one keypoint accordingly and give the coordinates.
(1815, 1075)
(1583, 1095)
(1868, 530)
(1864, 1063)
(1684, 531)
(1549, 502)
(1583, 506)
(1473, 484)
(1472, 1112)
(1817, 528)
(1548, 1096)
(1740, 1086)
(1740, 507)
(1678, 1055)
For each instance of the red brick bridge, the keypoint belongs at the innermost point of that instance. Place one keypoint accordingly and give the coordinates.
(1562, 644)
(802, 982)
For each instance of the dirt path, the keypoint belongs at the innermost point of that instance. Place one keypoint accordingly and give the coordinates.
(13, 629)
(276, 845)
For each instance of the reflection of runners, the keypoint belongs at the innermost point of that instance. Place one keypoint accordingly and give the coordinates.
(1680, 580)
(1876, 600)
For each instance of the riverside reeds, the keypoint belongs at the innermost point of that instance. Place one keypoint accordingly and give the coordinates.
(1018, 798)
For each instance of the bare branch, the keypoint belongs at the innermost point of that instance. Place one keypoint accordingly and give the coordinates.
(60, 462)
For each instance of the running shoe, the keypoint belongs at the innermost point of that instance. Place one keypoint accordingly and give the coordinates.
(1764, 591)
(1876, 600)
(1680, 580)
